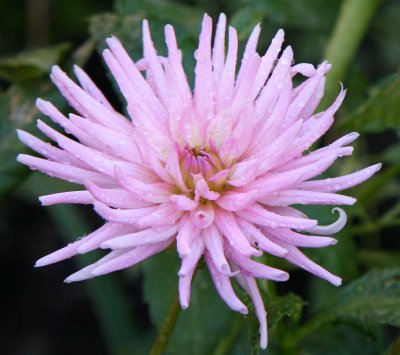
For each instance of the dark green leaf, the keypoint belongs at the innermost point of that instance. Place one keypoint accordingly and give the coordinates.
(380, 112)
(372, 299)
(18, 111)
(301, 13)
(245, 19)
(278, 307)
(342, 340)
(379, 258)
(128, 28)
(32, 64)
(165, 11)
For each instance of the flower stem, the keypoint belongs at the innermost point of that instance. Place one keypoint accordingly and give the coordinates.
(351, 25)
(167, 328)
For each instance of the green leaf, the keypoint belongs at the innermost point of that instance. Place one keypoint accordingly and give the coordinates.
(278, 307)
(32, 64)
(342, 340)
(301, 13)
(380, 112)
(379, 258)
(372, 299)
(128, 28)
(364, 304)
(18, 111)
(245, 19)
(165, 11)
(198, 328)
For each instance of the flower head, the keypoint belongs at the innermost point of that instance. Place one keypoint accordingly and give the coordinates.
(214, 170)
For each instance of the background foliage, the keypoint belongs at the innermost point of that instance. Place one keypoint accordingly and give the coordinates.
(121, 313)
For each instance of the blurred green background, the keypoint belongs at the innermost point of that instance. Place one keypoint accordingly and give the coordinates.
(120, 313)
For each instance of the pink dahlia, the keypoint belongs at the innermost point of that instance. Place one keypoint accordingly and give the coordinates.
(214, 170)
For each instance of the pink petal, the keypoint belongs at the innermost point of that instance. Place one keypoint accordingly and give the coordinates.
(229, 228)
(250, 286)
(252, 268)
(203, 216)
(130, 258)
(261, 240)
(261, 216)
(82, 197)
(215, 247)
(143, 237)
(224, 287)
(342, 182)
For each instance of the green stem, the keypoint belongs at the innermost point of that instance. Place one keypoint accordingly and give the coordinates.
(351, 25)
(167, 328)
(395, 348)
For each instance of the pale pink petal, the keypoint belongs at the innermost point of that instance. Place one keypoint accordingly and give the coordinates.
(142, 237)
(116, 198)
(64, 172)
(183, 203)
(261, 240)
(225, 89)
(123, 216)
(218, 54)
(108, 231)
(203, 88)
(250, 285)
(229, 228)
(215, 247)
(224, 287)
(295, 256)
(292, 197)
(130, 258)
(90, 87)
(237, 201)
(252, 268)
(267, 62)
(300, 240)
(82, 197)
(261, 216)
(342, 182)
(187, 231)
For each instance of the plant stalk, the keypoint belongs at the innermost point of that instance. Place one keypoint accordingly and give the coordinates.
(350, 28)
(167, 328)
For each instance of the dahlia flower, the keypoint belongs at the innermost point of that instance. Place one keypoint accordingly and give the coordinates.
(214, 171)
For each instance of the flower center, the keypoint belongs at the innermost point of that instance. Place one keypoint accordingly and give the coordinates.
(202, 165)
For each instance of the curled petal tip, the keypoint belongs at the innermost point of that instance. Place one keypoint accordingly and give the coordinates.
(333, 228)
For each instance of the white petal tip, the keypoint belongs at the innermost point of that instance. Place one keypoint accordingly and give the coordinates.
(243, 310)
(337, 281)
(263, 344)
(42, 262)
(377, 167)
(284, 276)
